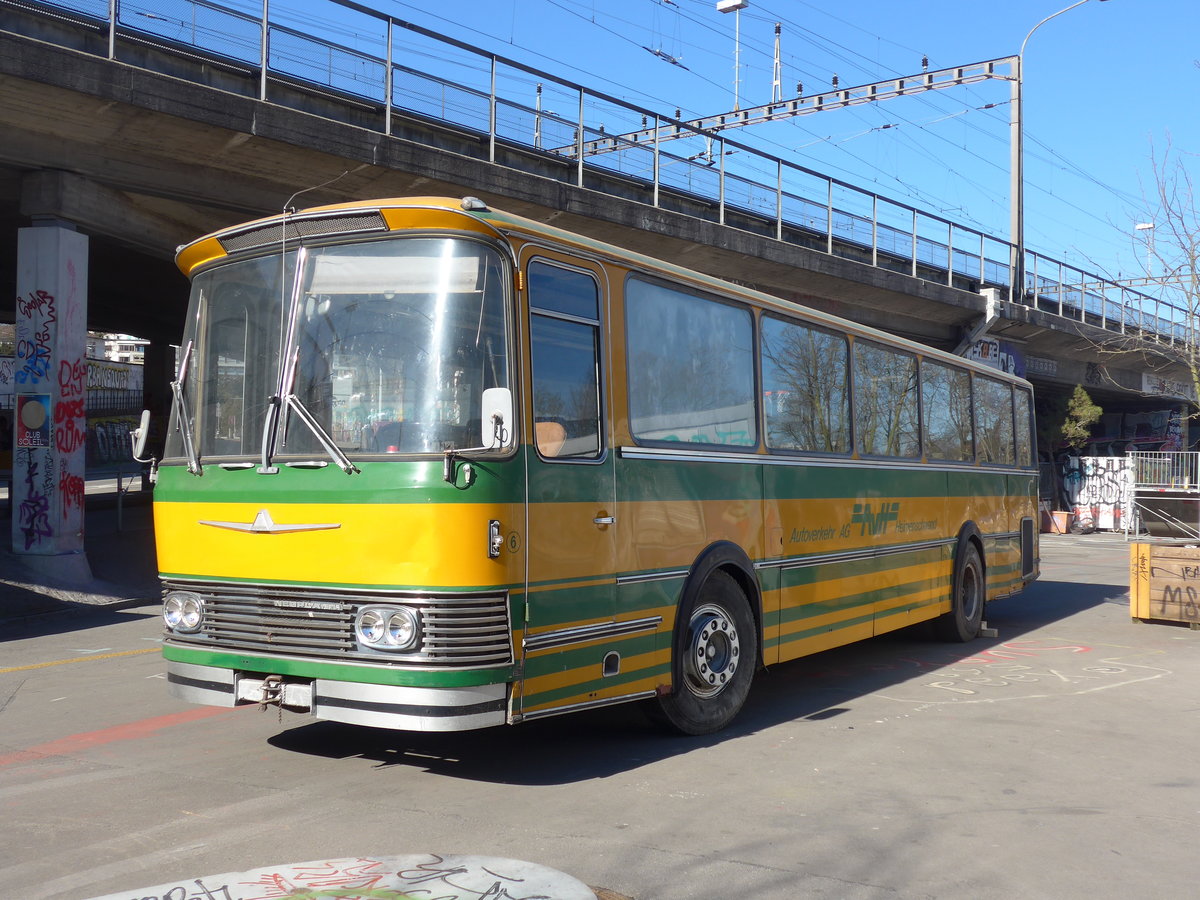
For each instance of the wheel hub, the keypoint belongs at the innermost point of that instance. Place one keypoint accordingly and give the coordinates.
(713, 651)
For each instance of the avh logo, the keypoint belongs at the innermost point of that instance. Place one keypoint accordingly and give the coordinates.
(874, 523)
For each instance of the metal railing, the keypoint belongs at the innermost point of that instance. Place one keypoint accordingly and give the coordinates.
(1163, 470)
(395, 70)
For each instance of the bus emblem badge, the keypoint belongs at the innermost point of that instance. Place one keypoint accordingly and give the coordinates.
(264, 524)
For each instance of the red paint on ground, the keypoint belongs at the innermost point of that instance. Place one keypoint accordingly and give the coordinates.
(76, 743)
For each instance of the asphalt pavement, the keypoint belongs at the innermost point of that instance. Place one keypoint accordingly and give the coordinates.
(1050, 761)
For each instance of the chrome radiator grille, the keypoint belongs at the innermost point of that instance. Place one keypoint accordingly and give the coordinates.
(458, 630)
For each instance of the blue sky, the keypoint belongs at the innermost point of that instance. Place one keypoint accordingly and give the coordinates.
(1107, 85)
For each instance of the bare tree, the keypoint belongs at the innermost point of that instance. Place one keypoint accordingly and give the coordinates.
(1174, 248)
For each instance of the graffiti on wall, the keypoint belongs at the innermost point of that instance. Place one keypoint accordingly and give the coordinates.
(1100, 490)
(100, 404)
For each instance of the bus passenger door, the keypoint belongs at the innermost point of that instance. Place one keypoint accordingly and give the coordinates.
(571, 490)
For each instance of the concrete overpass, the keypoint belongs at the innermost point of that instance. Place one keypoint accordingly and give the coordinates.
(142, 144)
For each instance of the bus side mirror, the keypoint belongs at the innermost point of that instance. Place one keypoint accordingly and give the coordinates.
(139, 435)
(497, 419)
(138, 438)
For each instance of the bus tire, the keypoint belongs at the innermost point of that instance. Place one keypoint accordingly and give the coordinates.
(965, 618)
(719, 651)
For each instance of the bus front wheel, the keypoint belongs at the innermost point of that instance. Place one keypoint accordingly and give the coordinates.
(965, 618)
(718, 654)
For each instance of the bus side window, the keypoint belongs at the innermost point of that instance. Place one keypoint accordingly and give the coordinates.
(946, 394)
(994, 421)
(885, 401)
(805, 391)
(564, 332)
(1024, 416)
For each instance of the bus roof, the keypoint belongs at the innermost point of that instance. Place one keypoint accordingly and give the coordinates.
(379, 216)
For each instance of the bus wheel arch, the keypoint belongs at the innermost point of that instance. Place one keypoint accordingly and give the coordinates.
(968, 589)
(716, 645)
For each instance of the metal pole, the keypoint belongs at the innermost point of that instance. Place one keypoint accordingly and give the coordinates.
(112, 29)
(982, 250)
(737, 49)
(829, 218)
(875, 230)
(914, 244)
(1017, 152)
(537, 118)
(779, 199)
(657, 159)
(492, 116)
(721, 199)
(579, 144)
(950, 253)
(265, 52)
(1016, 191)
(387, 88)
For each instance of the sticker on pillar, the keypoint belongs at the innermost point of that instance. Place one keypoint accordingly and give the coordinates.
(33, 420)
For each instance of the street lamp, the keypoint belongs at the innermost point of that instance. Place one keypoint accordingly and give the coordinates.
(1017, 167)
(736, 7)
(1148, 227)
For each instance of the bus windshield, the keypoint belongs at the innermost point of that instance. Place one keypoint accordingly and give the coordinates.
(387, 345)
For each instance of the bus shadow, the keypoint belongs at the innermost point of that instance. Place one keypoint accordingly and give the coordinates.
(601, 743)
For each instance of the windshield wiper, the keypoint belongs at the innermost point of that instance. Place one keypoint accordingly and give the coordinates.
(335, 452)
(290, 403)
(181, 412)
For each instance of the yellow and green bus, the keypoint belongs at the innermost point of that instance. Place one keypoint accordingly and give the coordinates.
(437, 467)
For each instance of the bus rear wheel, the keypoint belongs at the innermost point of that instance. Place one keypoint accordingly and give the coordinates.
(965, 618)
(719, 652)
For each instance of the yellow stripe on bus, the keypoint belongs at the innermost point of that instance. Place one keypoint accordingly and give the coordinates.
(432, 545)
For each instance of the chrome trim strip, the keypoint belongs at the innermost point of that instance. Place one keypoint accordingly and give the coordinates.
(585, 633)
(800, 562)
(652, 576)
(264, 524)
(769, 459)
(191, 582)
(591, 704)
(1001, 535)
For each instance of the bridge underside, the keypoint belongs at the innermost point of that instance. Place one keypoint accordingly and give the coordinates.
(142, 161)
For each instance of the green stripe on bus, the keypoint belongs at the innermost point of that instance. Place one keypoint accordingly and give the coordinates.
(793, 636)
(411, 481)
(361, 674)
(561, 659)
(819, 572)
(869, 598)
(582, 688)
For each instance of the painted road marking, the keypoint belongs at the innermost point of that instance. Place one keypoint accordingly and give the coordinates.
(78, 659)
(75, 743)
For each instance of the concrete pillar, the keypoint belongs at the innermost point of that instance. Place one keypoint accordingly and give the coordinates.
(50, 377)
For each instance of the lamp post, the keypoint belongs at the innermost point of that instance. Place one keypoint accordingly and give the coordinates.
(736, 7)
(1148, 227)
(1017, 166)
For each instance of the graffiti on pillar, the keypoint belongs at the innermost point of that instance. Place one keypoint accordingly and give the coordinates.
(36, 313)
(1100, 490)
(71, 489)
(34, 511)
(70, 415)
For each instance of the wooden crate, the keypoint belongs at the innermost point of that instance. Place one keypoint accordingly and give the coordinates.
(1164, 583)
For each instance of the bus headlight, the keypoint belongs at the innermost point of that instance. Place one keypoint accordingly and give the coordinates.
(183, 612)
(403, 629)
(389, 627)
